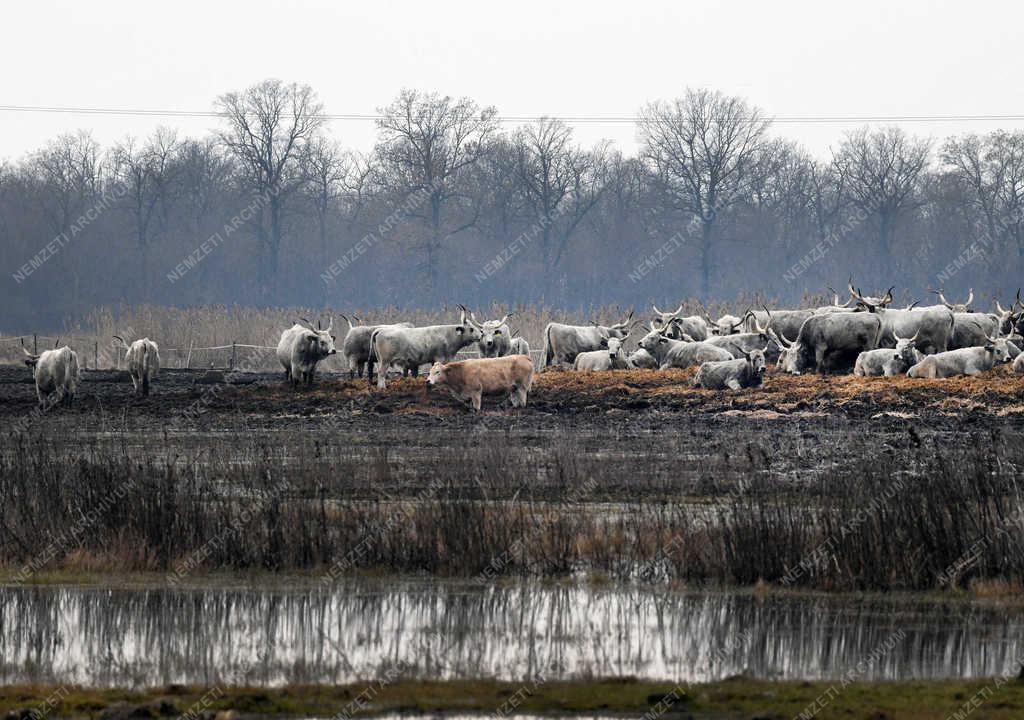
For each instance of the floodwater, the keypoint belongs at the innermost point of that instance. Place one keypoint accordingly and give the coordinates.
(361, 629)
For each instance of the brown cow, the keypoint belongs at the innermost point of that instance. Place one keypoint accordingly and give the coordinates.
(468, 380)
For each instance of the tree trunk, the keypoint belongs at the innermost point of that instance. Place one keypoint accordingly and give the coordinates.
(705, 259)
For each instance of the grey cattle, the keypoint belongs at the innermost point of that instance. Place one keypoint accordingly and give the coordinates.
(412, 347)
(671, 353)
(301, 348)
(745, 372)
(889, 362)
(972, 329)
(781, 322)
(1012, 320)
(693, 325)
(955, 307)
(518, 346)
(830, 343)
(725, 325)
(965, 361)
(562, 343)
(356, 346)
(56, 373)
(613, 357)
(640, 359)
(740, 344)
(932, 325)
(495, 337)
(143, 361)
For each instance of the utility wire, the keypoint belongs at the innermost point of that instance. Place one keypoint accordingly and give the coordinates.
(598, 119)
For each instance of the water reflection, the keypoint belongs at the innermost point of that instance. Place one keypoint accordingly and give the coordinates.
(359, 629)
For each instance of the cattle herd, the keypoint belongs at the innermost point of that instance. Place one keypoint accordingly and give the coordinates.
(863, 335)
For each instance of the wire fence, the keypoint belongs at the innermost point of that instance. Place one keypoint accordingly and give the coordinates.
(94, 354)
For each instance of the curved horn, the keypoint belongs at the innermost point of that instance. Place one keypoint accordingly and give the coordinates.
(309, 325)
(659, 312)
(914, 339)
(460, 306)
(1000, 310)
(853, 292)
(25, 350)
(350, 324)
(330, 324)
(786, 342)
(970, 297)
(911, 306)
(887, 298)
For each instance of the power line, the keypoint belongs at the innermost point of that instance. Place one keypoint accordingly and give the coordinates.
(597, 119)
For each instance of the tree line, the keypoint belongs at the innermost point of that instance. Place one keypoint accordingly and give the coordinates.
(452, 205)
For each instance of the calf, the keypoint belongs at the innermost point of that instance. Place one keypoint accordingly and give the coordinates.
(965, 361)
(143, 361)
(613, 358)
(55, 372)
(468, 380)
(732, 374)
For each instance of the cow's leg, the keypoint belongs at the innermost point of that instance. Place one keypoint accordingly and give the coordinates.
(734, 384)
(145, 385)
(477, 396)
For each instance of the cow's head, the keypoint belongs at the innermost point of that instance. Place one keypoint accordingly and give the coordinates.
(757, 363)
(725, 325)
(792, 359)
(494, 334)
(955, 307)
(906, 348)
(664, 319)
(998, 347)
(436, 376)
(870, 302)
(468, 328)
(30, 359)
(657, 336)
(620, 330)
(319, 339)
(1011, 320)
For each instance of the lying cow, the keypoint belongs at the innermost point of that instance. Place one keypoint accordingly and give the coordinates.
(613, 357)
(889, 362)
(965, 361)
(143, 361)
(356, 347)
(640, 359)
(56, 373)
(411, 347)
(301, 348)
(469, 380)
(733, 374)
(671, 353)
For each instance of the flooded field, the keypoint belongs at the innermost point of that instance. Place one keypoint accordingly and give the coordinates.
(441, 630)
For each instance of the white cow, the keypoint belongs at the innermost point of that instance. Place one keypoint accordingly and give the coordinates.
(56, 372)
(143, 361)
(301, 348)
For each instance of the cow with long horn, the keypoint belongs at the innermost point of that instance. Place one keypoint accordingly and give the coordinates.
(670, 353)
(410, 348)
(356, 346)
(965, 361)
(495, 337)
(830, 342)
(889, 362)
(692, 325)
(302, 347)
(955, 307)
(562, 343)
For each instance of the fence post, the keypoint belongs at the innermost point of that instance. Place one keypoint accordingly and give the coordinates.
(96, 355)
(231, 367)
(188, 358)
(35, 344)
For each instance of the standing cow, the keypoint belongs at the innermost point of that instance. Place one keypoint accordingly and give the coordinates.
(495, 337)
(830, 343)
(301, 348)
(469, 380)
(356, 347)
(142, 358)
(562, 343)
(56, 372)
(412, 347)
(693, 325)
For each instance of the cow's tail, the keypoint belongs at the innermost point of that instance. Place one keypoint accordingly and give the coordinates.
(374, 355)
(548, 352)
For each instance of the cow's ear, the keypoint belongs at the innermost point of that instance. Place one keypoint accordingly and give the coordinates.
(460, 329)
(604, 342)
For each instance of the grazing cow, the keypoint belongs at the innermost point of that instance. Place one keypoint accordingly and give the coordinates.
(889, 362)
(640, 359)
(1018, 364)
(562, 343)
(518, 346)
(693, 325)
(412, 347)
(495, 337)
(830, 342)
(933, 326)
(468, 380)
(972, 329)
(671, 353)
(143, 361)
(734, 374)
(611, 358)
(965, 361)
(55, 372)
(356, 347)
(301, 348)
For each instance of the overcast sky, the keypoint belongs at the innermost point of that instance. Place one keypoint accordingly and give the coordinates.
(526, 58)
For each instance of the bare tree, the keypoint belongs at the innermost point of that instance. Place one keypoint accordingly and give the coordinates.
(146, 175)
(427, 144)
(991, 170)
(270, 126)
(702, 150)
(881, 170)
(560, 182)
